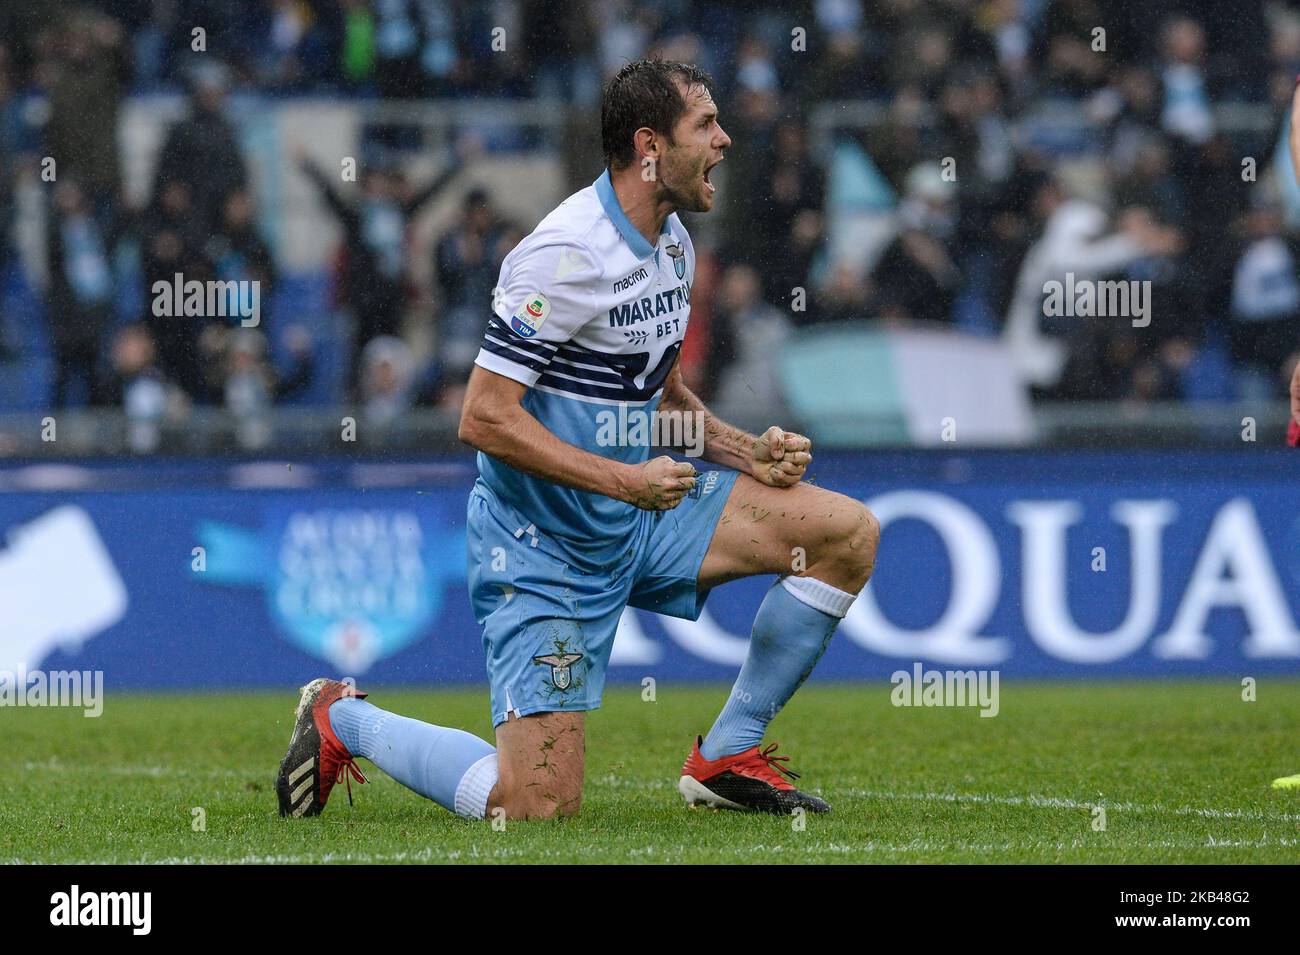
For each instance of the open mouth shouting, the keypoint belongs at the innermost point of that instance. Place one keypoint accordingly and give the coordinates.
(708, 184)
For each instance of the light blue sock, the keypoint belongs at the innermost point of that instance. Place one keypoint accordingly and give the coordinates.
(791, 631)
(455, 769)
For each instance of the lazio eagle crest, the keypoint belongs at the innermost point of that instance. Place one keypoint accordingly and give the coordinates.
(561, 675)
(679, 259)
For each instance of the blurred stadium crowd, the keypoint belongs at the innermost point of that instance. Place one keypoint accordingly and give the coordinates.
(1150, 186)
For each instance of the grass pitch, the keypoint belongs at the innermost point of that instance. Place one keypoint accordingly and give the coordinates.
(1182, 772)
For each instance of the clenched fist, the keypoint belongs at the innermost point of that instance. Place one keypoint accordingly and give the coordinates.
(659, 484)
(781, 457)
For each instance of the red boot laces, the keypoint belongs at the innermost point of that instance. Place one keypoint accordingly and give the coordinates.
(771, 766)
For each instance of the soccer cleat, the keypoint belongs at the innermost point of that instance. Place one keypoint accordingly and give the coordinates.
(751, 781)
(316, 759)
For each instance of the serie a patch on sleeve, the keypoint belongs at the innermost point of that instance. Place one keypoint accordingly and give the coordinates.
(530, 315)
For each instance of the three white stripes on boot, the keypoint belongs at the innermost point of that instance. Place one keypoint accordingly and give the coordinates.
(306, 787)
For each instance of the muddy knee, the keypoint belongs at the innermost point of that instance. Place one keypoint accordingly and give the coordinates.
(853, 548)
(541, 759)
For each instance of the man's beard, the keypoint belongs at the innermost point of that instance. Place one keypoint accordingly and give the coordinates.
(681, 200)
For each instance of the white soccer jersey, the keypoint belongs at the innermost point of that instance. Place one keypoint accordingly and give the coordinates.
(591, 317)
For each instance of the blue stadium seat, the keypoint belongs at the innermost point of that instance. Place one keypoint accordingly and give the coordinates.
(24, 383)
(303, 298)
(1209, 376)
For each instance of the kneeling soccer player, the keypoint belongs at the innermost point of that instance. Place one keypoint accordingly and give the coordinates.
(568, 527)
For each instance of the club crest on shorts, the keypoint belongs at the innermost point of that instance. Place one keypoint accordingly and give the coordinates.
(561, 675)
(530, 315)
(679, 259)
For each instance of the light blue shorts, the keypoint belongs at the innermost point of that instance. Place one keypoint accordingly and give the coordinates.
(548, 628)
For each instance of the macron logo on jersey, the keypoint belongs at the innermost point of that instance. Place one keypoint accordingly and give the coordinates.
(531, 314)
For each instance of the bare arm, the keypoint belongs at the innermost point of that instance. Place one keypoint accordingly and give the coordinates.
(493, 421)
(777, 458)
(723, 443)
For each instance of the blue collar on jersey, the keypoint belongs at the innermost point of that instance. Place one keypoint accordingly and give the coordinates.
(634, 239)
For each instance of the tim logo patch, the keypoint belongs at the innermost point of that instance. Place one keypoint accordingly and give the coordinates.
(528, 319)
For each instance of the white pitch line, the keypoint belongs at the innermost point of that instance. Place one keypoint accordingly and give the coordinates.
(1057, 802)
(677, 852)
(620, 782)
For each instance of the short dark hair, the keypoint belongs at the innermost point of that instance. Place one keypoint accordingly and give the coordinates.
(644, 93)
